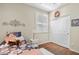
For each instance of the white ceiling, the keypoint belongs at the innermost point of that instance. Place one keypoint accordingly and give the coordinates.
(46, 6)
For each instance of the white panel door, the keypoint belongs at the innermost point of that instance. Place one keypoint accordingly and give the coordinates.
(60, 31)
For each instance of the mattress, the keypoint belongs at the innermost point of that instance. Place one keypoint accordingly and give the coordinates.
(45, 51)
(40, 51)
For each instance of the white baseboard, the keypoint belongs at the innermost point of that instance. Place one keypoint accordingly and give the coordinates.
(44, 42)
(74, 50)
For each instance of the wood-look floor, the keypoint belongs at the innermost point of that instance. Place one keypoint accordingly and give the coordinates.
(57, 49)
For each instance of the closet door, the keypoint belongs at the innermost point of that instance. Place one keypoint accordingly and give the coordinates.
(60, 31)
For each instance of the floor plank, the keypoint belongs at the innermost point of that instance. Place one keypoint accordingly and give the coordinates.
(57, 49)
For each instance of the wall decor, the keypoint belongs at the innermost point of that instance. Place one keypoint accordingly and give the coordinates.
(4, 23)
(57, 14)
(14, 23)
(75, 22)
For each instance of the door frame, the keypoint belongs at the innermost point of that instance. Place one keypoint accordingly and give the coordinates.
(69, 29)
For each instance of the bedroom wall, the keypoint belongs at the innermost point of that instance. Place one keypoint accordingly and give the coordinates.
(73, 11)
(21, 12)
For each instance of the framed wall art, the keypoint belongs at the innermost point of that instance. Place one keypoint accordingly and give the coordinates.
(75, 22)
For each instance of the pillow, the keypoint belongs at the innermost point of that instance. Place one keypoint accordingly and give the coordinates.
(17, 34)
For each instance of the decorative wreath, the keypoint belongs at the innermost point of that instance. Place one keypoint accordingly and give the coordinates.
(57, 14)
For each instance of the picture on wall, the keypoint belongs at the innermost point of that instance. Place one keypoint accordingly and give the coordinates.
(75, 22)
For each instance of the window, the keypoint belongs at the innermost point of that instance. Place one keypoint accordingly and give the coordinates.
(41, 22)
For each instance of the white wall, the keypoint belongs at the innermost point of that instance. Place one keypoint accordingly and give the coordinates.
(73, 11)
(21, 12)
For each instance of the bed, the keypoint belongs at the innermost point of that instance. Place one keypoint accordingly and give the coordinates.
(13, 51)
(40, 51)
(21, 47)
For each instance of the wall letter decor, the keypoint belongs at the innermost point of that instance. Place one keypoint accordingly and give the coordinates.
(14, 23)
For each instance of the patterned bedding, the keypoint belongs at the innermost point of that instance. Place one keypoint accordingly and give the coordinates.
(5, 50)
(20, 52)
(14, 51)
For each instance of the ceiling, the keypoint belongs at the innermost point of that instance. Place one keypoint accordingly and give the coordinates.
(46, 6)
